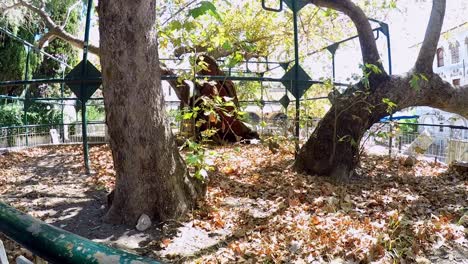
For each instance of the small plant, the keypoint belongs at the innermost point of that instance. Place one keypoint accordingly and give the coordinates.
(399, 237)
(197, 158)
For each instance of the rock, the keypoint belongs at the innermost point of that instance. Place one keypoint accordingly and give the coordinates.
(410, 161)
(144, 222)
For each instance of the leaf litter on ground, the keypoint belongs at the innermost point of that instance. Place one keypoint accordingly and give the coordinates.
(393, 213)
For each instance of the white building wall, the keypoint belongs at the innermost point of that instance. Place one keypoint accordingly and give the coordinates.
(452, 71)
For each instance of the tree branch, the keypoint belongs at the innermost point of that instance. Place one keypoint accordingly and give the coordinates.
(178, 11)
(47, 37)
(431, 38)
(56, 30)
(70, 9)
(442, 95)
(370, 53)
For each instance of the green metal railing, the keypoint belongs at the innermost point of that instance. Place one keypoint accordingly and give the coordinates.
(57, 245)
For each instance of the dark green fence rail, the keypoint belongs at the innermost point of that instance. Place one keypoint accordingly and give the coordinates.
(57, 245)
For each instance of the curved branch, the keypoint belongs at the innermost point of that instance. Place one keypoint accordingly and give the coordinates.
(56, 30)
(178, 12)
(47, 37)
(69, 11)
(370, 53)
(444, 96)
(431, 38)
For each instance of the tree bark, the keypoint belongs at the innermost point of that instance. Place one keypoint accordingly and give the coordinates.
(228, 124)
(151, 175)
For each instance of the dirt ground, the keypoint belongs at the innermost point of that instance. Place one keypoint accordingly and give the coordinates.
(257, 209)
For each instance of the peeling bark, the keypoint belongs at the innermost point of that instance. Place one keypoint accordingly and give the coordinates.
(229, 127)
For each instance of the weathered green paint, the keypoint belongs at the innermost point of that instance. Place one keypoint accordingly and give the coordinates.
(59, 246)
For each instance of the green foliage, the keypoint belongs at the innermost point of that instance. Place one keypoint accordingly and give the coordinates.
(408, 125)
(13, 114)
(399, 237)
(13, 58)
(315, 108)
(58, 11)
(205, 8)
(95, 113)
(13, 54)
(235, 28)
(416, 80)
(390, 105)
(198, 159)
(367, 70)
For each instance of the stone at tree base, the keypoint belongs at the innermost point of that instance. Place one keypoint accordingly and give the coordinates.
(144, 222)
(410, 161)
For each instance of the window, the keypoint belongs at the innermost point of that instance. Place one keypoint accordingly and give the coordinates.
(455, 52)
(456, 82)
(440, 57)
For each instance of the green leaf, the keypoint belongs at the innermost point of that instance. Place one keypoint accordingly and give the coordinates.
(227, 45)
(188, 115)
(192, 159)
(390, 105)
(205, 8)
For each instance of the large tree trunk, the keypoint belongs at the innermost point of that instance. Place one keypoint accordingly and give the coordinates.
(228, 124)
(333, 148)
(151, 175)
